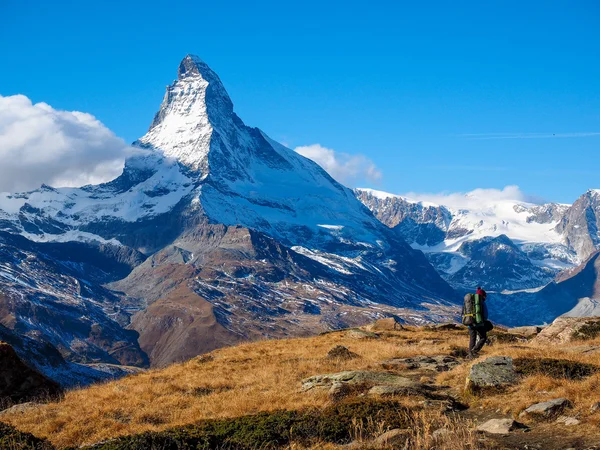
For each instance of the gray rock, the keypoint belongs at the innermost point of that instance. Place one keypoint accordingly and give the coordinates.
(563, 330)
(530, 331)
(361, 334)
(439, 363)
(568, 421)
(20, 408)
(496, 372)
(392, 437)
(500, 426)
(408, 389)
(342, 353)
(546, 410)
(339, 391)
(354, 377)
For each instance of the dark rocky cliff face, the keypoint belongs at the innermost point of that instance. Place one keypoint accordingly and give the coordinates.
(20, 383)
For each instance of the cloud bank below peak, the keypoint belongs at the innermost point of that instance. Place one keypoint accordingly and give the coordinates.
(345, 168)
(476, 199)
(40, 144)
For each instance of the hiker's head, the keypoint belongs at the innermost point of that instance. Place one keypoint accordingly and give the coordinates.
(481, 292)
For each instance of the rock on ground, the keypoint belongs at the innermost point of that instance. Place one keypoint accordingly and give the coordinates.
(339, 391)
(387, 324)
(500, 426)
(568, 421)
(562, 330)
(361, 334)
(341, 352)
(20, 408)
(388, 391)
(529, 331)
(355, 377)
(496, 372)
(546, 410)
(393, 437)
(439, 363)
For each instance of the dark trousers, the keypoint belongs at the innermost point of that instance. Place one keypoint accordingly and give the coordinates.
(475, 344)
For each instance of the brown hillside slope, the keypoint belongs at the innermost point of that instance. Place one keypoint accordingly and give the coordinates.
(266, 376)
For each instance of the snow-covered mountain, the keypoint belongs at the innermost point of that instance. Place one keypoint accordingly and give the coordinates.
(214, 233)
(503, 244)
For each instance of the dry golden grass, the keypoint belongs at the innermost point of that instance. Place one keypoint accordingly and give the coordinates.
(266, 375)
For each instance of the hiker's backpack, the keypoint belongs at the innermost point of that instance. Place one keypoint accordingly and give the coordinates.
(472, 310)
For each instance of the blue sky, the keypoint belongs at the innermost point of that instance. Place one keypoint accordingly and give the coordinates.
(440, 96)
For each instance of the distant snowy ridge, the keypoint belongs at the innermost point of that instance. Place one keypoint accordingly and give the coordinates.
(547, 238)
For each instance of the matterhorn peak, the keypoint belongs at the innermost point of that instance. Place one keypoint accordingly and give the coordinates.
(193, 108)
(190, 66)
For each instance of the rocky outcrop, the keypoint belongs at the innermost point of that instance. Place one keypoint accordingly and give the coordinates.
(501, 426)
(546, 410)
(356, 377)
(19, 383)
(492, 374)
(527, 331)
(438, 363)
(566, 329)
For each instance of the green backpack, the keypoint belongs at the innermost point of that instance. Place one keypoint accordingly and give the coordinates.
(472, 310)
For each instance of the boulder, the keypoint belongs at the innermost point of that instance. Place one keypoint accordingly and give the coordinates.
(389, 391)
(387, 324)
(355, 377)
(397, 436)
(19, 383)
(530, 331)
(340, 352)
(565, 329)
(355, 333)
(494, 373)
(438, 363)
(21, 408)
(501, 426)
(546, 410)
(339, 391)
(568, 421)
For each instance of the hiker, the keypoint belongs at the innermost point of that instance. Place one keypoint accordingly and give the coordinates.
(475, 316)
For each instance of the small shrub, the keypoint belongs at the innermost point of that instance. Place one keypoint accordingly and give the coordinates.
(555, 368)
(588, 331)
(13, 439)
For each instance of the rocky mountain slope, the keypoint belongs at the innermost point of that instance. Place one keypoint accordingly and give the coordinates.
(505, 245)
(214, 233)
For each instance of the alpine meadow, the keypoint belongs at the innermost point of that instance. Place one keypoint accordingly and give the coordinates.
(428, 278)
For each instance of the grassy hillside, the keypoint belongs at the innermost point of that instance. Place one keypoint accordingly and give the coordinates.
(265, 377)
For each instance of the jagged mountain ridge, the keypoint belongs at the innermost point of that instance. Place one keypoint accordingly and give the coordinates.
(540, 240)
(241, 238)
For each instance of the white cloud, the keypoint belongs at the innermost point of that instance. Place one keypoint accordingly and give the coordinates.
(345, 168)
(39, 144)
(476, 199)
